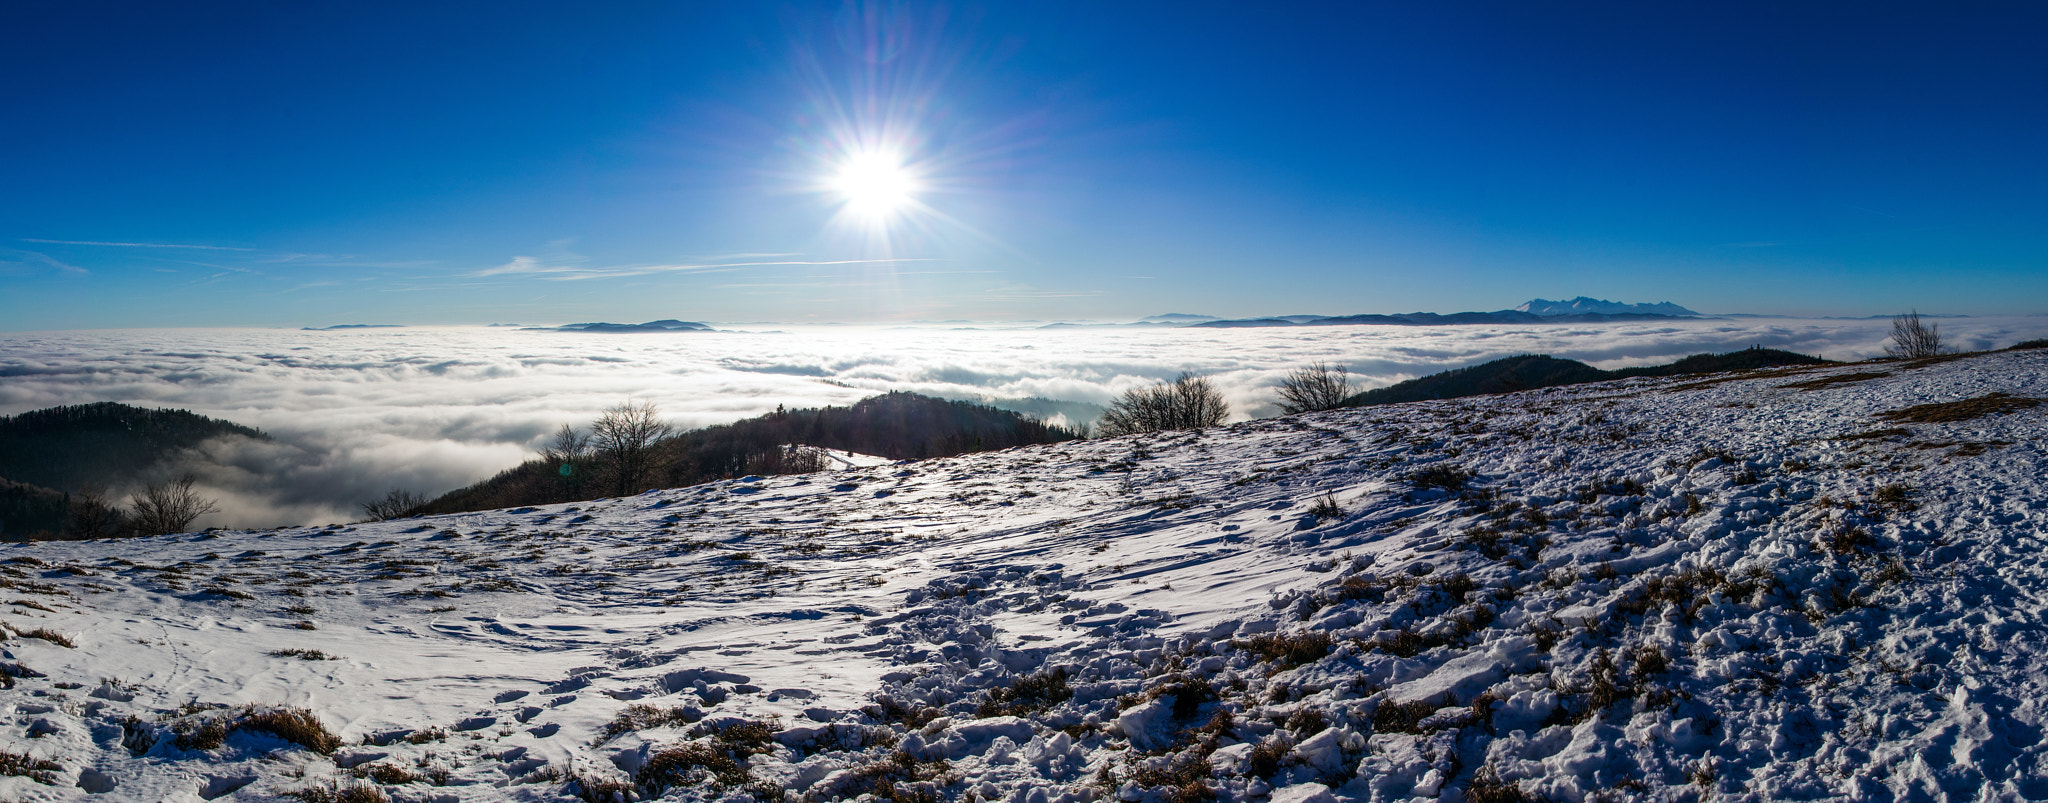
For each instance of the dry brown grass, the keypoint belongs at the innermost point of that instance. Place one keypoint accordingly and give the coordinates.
(1964, 410)
(1287, 649)
(304, 654)
(42, 771)
(636, 718)
(334, 793)
(1818, 383)
(1030, 695)
(295, 725)
(48, 635)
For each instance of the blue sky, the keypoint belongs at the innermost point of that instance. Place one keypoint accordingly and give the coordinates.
(273, 164)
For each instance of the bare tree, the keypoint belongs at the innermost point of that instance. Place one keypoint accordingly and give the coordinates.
(168, 508)
(623, 441)
(1189, 402)
(1320, 386)
(568, 456)
(1912, 339)
(569, 448)
(397, 504)
(92, 516)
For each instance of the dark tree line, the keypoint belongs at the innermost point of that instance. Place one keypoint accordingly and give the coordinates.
(34, 513)
(70, 447)
(58, 463)
(629, 449)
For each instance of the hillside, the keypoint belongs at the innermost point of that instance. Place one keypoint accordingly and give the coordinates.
(1533, 371)
(1818, 583)
(898, 426)
(107, 443)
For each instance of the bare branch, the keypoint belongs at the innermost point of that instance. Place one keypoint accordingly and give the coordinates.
(1912, 339)
(623, 439)
(1320, 386)
(168, 508)
(1189, 402)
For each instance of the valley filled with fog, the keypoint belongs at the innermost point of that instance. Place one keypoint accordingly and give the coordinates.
(355, 413)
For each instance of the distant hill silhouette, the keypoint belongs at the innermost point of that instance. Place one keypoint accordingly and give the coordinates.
(663, 325)
(108, 443)
(1506, 316)
(1532, 371)
(899, 425)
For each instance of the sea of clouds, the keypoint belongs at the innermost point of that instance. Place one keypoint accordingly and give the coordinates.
(355, 413)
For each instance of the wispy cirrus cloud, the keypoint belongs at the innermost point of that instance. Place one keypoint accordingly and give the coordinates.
(136, 245)
(15, 260)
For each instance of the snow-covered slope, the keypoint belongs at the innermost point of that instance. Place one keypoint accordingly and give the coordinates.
(1770, 587)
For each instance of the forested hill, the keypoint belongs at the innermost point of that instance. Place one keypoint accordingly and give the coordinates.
(107, 443)
(1531, 371)
(898, 425)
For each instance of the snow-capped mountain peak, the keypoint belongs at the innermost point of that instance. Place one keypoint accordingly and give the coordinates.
(1584, 306)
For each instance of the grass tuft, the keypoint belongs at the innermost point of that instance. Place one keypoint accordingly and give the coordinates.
(42, 771)
(1030, 695)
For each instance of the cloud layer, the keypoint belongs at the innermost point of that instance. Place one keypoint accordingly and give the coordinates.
(356, 413)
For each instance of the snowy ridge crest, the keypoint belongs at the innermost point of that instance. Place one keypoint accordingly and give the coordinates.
(1643, 589)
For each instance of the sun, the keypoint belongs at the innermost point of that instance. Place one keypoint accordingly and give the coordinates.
(876, 184)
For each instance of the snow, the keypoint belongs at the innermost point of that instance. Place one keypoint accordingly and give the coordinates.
(1655, 589)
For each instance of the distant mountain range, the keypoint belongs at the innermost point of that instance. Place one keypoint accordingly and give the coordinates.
(1577, 310)
(663, 325)
(1593, 306)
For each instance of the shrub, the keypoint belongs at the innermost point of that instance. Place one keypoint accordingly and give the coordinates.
(1189, 402)
(2038, 343)
(1912, 339)
(1318, 387)
(1326, 507)
(397, 504)
(168, 508)
(92, 516)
